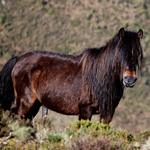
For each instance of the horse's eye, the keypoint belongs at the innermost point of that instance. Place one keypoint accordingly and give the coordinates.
(127, 67)
(132, 52)
(133, 68)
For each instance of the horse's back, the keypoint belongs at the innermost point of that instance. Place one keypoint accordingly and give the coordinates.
(44, 61)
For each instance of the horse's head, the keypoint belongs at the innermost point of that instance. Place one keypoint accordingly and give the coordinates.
(130, 55)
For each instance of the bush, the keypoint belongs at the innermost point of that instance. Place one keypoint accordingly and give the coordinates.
(54, 138)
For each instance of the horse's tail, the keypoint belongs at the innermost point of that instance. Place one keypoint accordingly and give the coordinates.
(7, 96)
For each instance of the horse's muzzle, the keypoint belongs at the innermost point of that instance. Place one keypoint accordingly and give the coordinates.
(129, 81)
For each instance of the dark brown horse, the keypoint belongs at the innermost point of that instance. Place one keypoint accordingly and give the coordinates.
(82, 84)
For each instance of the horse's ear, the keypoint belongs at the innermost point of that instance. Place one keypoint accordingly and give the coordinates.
(140, 33)
(121, 33)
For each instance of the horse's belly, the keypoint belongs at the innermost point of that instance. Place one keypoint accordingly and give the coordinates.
(62, 105)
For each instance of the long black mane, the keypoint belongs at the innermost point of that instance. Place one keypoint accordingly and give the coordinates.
(102, 69)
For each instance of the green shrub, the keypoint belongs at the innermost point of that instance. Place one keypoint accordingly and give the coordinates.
(75, 22)
(144, 135)
(54, 138)
(2, 19)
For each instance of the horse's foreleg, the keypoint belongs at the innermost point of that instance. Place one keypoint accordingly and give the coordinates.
(106, 119)
(44, 112)
(85, 113)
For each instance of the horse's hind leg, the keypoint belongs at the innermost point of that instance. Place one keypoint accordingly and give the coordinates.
(33, 110)
(25, 99)
(85, 113)
(23, 107)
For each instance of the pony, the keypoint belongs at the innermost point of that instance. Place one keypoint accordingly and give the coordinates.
(85, 84)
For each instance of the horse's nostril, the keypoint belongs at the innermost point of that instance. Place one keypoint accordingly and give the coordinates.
(135, 79)
(126, 78)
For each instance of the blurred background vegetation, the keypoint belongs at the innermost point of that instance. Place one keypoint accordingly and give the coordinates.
(70, 26)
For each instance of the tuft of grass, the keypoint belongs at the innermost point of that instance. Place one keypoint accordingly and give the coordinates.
(23, 133)
(2, 19)
(54, 138)
(144, 135)
(21, 129)
(94, 135)
(43, 128)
